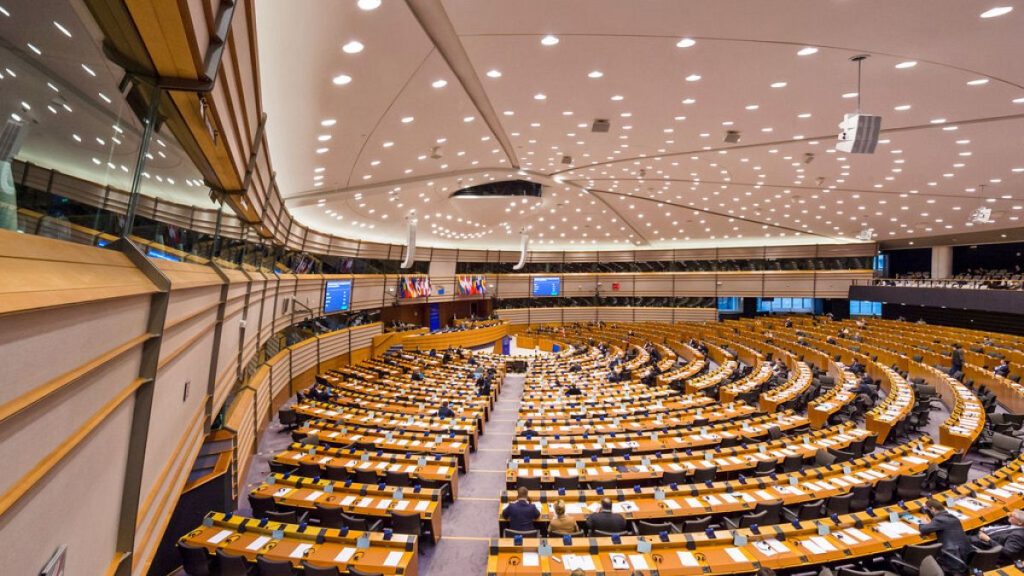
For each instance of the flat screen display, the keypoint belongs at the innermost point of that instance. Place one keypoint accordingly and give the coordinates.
(546, 286)
(337, 296)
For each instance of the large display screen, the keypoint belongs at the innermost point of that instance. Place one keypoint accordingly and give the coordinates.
(337, 296)
(546, 286)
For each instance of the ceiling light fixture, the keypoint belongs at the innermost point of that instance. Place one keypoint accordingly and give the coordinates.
(439, 83)
(997, 12)
(693, 77)
(595, 74)
(328, 122)
(549, 40)
(778, 84)
(978, 82)
(807, 51)
(62, 29)
(341, 79)
(368, 4)
(352, 47)
(493, 74)
(686, 43)
(906, 64)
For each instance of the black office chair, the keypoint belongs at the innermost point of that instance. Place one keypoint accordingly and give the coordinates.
(261, 504)
(285, 516)
(510, 533)
(397, 479)
(567, 482)
(909, 560)
(316, 570)
(674, 477)
(577, 533)
(336, 473)
(870, 443)
(309, 470)
(231, 564)
(1003, 449)
(286, 416)
(644, 528)
(265, 567)
(806, 511)
(910, 486)
(327, 516)
(986, 559)
(764, 468)
(195, 560)
(955, 475)
(697, 524)
(610, 534)
(528, 482)
(840, 455)
(791, 463)
(747, 520)
(406, 523)
(366, 477)
(839, 504)
(356, 572)
(884, 491)
(705, 474)
(606, 484)
(823, 458)
(846, 571)
(357, 523)
(278, 468)
(774, 432)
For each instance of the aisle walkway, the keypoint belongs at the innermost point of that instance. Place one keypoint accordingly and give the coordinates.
(471, 521)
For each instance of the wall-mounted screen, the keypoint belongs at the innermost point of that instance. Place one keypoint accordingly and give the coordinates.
(337, 296)
(414, 286)
(470, 285)
(546, 286)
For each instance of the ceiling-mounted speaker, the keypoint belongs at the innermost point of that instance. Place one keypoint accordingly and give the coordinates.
(601, 125)
(808, 158)
(567, 159)
(410, 246)
(524, 243)
(732, 136)
(859, 133)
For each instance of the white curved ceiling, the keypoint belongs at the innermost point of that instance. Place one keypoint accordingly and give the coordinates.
(662, 176)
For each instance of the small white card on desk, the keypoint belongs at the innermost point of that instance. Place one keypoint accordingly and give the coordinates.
(300, 550)
(531, 559)
(383, 504)
(220, 536)
(422, 505)
(639, 562)
(672, 504)
(364, 502)
(258, 543)
(345, 555)
(401, 505)
(314, 495)
(393, 558)
(687, 559)
(737, 555)
(348, 500)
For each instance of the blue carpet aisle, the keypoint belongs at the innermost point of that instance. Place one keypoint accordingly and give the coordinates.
(472, 521)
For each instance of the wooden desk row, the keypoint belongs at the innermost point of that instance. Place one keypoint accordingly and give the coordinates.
(848, 537)
(639, 423)
(465, 428)
(391, 441)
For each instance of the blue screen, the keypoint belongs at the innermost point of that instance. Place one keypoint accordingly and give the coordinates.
(546, 286)
(337, 295)
(159, 254)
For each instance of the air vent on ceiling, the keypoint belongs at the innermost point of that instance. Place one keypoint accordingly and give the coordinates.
(600, 125)
(566, 159)
(732, 136)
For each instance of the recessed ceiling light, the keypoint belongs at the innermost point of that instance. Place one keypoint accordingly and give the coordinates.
(62, 29)
(689, 101)
(693, 77)
(328, 122)
(104, 98)
(407, 119)
(617, 98)
(549, 40)
(804, 115)
(850, 95)
(493, 74)
(468, 119)
(1018, 100)
(938, 120)
(368, 4)
(323, 137)
(978, 82)
(997, 12)
(439, 83)
(34, 49)
(686, 43)
(595, 74)
(341, 79)
(807, 51)
(388, 144)
(907, 64)
(540, 97)
(322, 150)
(752, 106)
(902, 107)
(778, 84)
(4, 12)
(352, 47)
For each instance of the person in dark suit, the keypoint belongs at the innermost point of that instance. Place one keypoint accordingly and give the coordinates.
(521, 514)
(605, 520)
(956, 359)
(1003, 369)
(956, 548)
(1009, 536)
(573, 390)
(444, 411)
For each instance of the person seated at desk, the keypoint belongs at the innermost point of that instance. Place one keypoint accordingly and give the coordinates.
(433, 353)
(471, 361)
(856, 367)
(1003, 369)
(444, 411)
(417, 376)
(562, 524)
(521, 514)
(573, 390)
(1009, 536)
(605, 520)
(956, 548)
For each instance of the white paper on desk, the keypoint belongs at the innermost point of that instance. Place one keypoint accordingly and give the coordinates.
(712, 500)
(765, 548)
(823, 543)
(220, 536)
(442, 469)
(300, 550)
(365, 502)
(258, 543)
(1000, 492)
(393, 558)
(572, 562)
(619, 561)
(381, 465)
(384, 503)
(365, 465)
(314, 495)
(693, 502)
(687, 558)
(282, 492)
(573, 508)
(531, 559)
(763, 495)
(894, 529)
(857, 534)
(914, 459)
(730, 498)
(970, 504)
(345, 555)
(672, 504)
(671, 465)
(639, 562)
(556, 473)
(737, 555)
(297, 456)
(347, 500)
(812, 547)
(325, 459)
(422, 505)
(401, 505)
